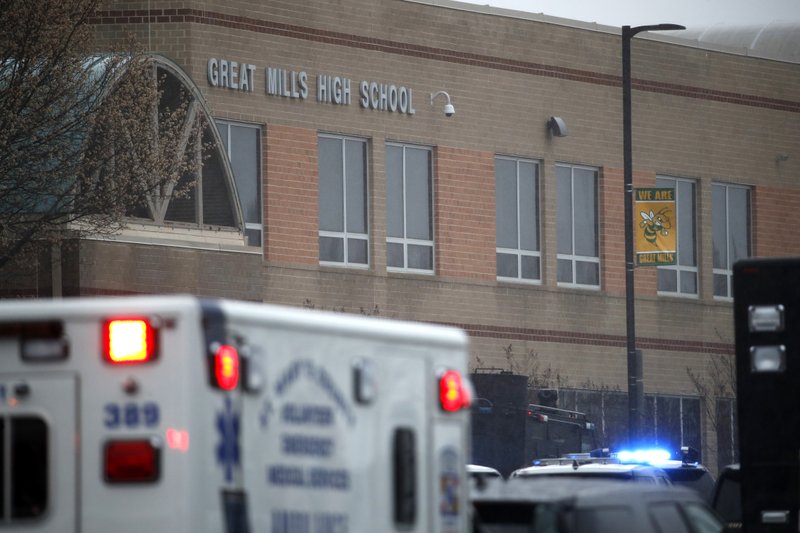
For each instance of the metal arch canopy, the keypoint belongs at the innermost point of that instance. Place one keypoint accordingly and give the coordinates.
(199, 108)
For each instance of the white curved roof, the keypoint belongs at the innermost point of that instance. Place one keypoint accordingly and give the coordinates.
(776, 40)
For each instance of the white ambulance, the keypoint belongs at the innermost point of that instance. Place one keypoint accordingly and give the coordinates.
(179, 414)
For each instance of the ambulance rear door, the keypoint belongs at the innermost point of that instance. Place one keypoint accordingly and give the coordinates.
(319, 457)
(38, 445)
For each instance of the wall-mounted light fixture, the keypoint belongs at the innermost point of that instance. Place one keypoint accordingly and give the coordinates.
(449, 110)
(557, 126)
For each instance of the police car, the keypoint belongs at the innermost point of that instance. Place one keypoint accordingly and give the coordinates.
(686, 471)
(593, 467)
(600, 463)
(566, 504)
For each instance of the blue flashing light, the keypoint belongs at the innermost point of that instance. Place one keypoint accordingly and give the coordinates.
(647, 455)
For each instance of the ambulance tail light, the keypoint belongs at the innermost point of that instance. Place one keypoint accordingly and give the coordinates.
(226, 367)
(130, 341)
(132, 461)
(455, 393)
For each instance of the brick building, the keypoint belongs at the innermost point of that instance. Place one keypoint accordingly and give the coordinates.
(348, 189)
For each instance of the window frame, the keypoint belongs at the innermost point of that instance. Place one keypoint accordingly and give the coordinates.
(678, 268)
(406, 241)
(574, 258)
(728, 271)
(252, 226)
(345, 235)
(518, 252)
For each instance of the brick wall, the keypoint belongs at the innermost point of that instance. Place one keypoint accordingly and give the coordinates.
(697, 113)
(121, 268)
(465, 214)
(291, 205)
(772, 235)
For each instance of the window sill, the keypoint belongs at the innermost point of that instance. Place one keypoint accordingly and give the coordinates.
(207, 238)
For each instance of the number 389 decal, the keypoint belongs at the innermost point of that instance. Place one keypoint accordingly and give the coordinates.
(131, 415)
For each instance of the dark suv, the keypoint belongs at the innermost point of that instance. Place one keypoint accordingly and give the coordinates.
(574, 505)
(688, 472)
(727, 500)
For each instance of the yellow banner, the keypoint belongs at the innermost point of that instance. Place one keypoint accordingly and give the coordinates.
(655, 227)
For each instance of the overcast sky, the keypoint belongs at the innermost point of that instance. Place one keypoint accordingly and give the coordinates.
(689, 13)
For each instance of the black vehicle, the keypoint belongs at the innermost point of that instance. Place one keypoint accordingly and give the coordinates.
(508, 430)
(572, 505)
(688, 472)
(727, 499)
(766, 317)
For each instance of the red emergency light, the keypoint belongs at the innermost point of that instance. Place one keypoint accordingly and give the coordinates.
(454, 392)
(129, 341)
(226, 367)
(131, 461)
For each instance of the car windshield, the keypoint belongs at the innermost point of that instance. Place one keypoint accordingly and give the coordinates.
(514, 517)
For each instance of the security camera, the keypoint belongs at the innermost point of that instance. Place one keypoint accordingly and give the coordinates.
(449, 110)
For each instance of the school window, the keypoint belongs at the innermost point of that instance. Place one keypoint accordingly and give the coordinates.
(343, 231)
(409, 208)
(517, 201)
(243, 146)
(577, 227)
(681, 278)
(730, 220)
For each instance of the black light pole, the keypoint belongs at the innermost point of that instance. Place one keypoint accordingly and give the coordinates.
(635, 386)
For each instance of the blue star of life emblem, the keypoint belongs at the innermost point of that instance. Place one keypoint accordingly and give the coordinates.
(228, 447)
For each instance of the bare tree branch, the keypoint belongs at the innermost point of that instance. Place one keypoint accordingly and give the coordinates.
(77, 135)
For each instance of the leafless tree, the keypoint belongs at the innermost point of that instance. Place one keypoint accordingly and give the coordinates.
(85, 133)
(718, 383)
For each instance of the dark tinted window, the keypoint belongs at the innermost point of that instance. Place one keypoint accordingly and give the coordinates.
(507, 517)
(605, 519)
(727, 501)
(28, 467)
(234, 503)
(405, 477)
